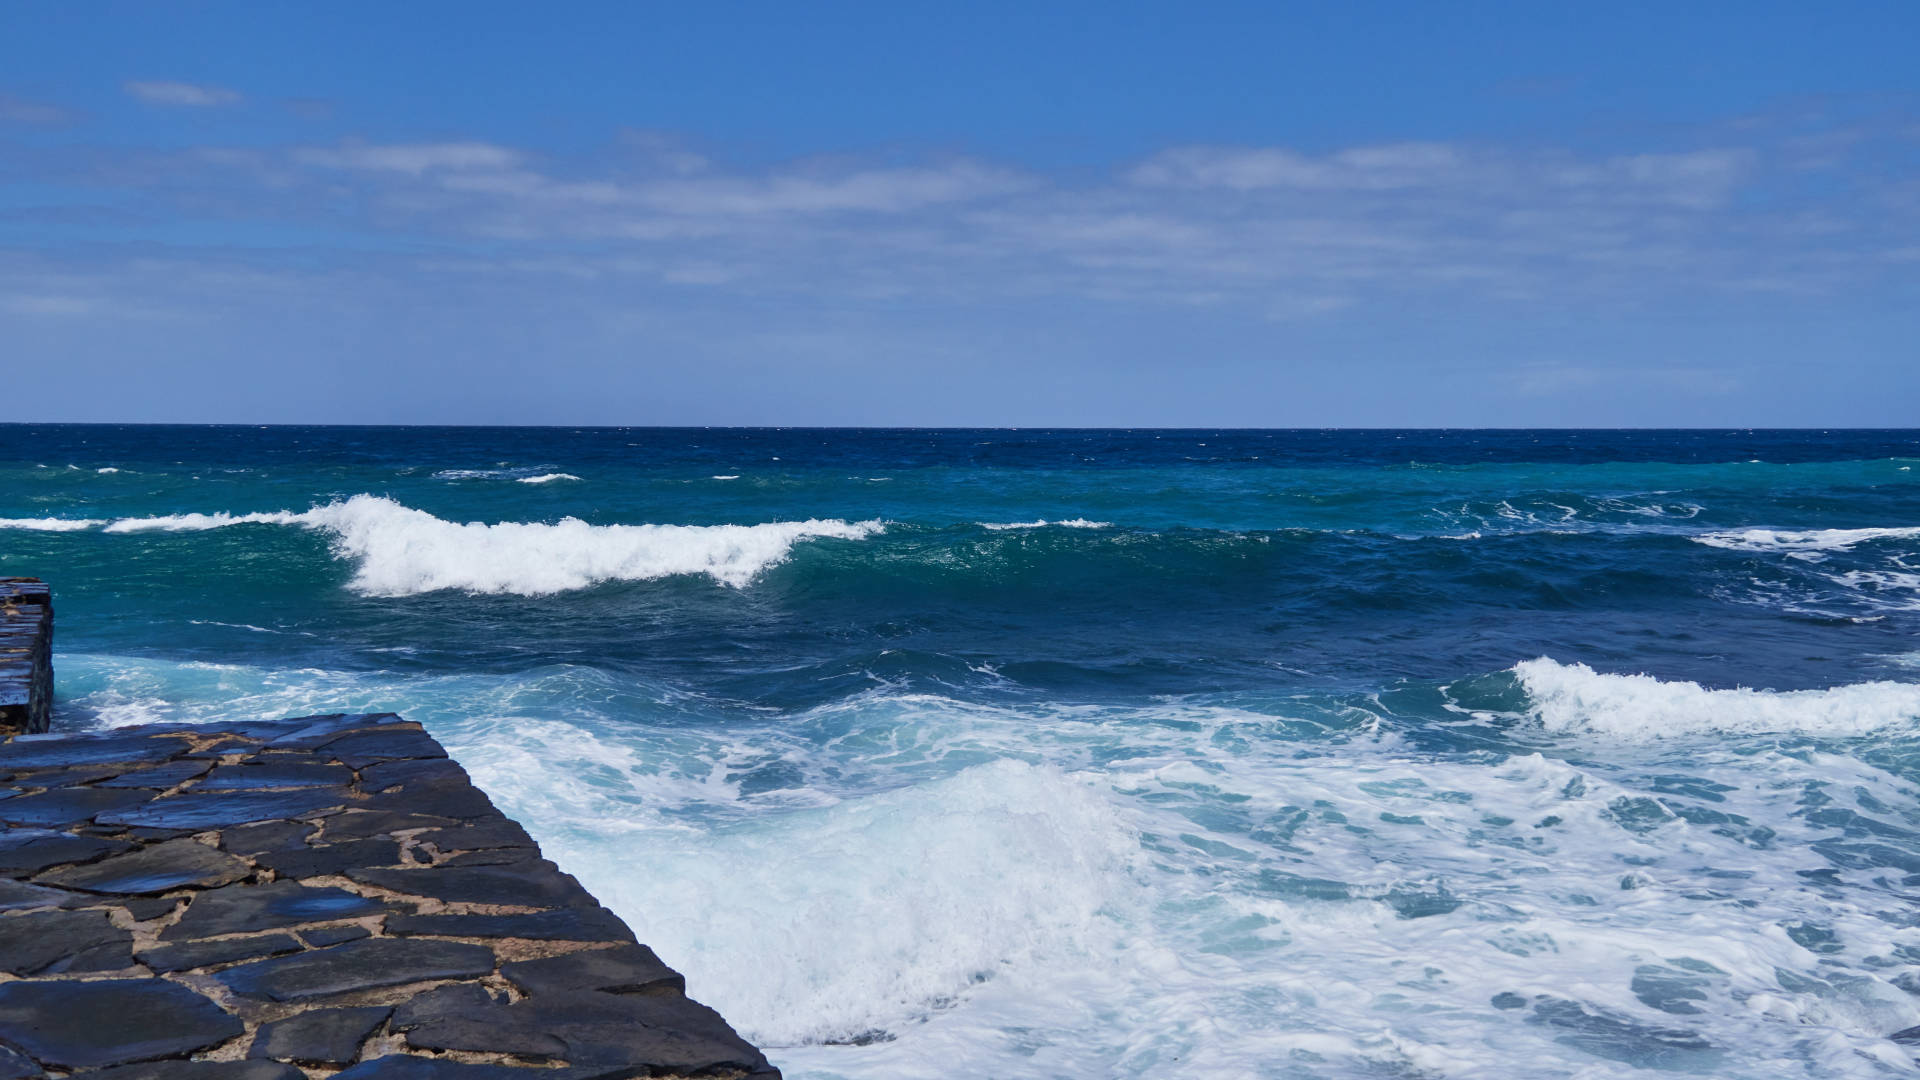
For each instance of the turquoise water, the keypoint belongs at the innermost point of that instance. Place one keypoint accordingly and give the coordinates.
(1091, 754)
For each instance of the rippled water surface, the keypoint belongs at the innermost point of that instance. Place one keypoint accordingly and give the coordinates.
(1102, 754)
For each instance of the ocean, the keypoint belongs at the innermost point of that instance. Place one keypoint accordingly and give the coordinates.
(1090, 754)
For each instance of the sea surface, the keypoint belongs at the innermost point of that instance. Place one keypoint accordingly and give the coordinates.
(1091, 754)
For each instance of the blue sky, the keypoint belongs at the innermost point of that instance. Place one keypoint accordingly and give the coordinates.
(1198, 214)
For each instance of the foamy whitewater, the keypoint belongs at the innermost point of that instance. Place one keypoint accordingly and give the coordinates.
(1103, 754)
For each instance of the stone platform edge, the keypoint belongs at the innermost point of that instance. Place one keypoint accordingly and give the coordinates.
(26, 655)
(328, 896)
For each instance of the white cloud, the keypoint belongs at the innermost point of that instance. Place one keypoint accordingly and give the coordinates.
(1273, 231)
(412, 159)
(15, 110)
(191, 95)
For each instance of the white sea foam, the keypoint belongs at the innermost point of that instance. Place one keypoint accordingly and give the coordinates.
(1069, 523)
(50, 524)
(1177, 890)
(1573, 698)
(1808, 540)
(109, 469)
(547, 478)
(402, 551)
(201, 522)
(728, 476)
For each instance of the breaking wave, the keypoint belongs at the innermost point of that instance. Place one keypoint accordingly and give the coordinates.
(50, 524)
(1069, 523)
(1786, 540)
(1575, 699)
(402, 551)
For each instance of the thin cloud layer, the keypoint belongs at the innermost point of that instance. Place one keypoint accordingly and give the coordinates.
(189, 95)
(1275, 233)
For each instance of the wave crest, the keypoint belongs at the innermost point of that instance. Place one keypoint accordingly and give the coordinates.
(49, 524)
(1575, 699)
(1787, 540)
(403, 551)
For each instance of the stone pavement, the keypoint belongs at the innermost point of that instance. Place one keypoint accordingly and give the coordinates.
(327, 896)
(26, 655)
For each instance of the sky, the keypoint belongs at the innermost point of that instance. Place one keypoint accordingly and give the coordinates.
(1023, 214)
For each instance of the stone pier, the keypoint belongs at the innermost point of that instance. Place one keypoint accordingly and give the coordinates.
(289, 899)
(26, 655)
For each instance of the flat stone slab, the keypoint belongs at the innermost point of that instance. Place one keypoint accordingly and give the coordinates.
(630, 969)
(216, 809)
(367, 964)
(324, 891)
(319, 1037)
(86, 1025)
(201, 1070)
(188, 955)
(29, 851)
(71, 805)
(154, 869)
(52, 941)
(566, 924)
(252, 777)
(239, 909)
(531, 884)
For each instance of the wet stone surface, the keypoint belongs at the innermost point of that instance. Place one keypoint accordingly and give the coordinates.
(299, 899)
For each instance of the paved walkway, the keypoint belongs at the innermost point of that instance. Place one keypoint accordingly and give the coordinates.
(313, 897)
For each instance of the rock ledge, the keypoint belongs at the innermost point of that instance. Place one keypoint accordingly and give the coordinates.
(325, 896)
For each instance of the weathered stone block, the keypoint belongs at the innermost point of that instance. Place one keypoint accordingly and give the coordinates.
(154, 869)
(358, 965)
(318, 1037)
(238, 909)
(61, 1023)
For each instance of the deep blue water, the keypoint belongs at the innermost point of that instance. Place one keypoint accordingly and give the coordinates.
(1102, 753)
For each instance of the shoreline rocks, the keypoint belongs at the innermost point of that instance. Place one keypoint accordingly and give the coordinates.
(324, 896)
(26, 655)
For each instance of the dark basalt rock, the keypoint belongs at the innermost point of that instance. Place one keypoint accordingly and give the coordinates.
(372, 800)
(423, 771)
(267, 836)
(497, 857)
(417, 1067)
(565, 924)
(150, 907)
(497, 833)
(18, 1066)
(462, 803)
(238, 909)
(90, 1024)
(69, 806)
(365, 748)
(358, 965)
(319, 1037)
(316, 731)
(628, 969)
(188, 955)
(19, 896)
(529, 884)
(65, 776)
(51, 941)
(667, 1031)
(323, 936)
(331, 858)
(357, 825)
(457, 999)
(161, 777)
(200, 1070)
(154, 869)
(217, 809)
(48, 751)
(251, 777)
